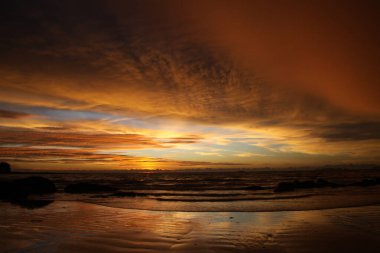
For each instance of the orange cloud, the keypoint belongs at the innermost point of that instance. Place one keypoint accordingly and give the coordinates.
(326, 48)
(296, 77)
(86, 159)
(12, 114)
(24, 137)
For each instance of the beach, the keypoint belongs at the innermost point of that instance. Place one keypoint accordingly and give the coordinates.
(189, 126)
(72, 226)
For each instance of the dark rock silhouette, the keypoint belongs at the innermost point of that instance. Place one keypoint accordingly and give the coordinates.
(368, 182)
(11, 191)
(32, 203)
(304, 184)
(36, 185)
(19, 190)
(128, 194)
(284, 187)
(255, 188)
(5, 167)
(324, 183)
(88, 188)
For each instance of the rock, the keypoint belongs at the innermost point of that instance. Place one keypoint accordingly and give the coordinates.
(304, 184)
(367, 182)
(5, 167)
(324, 183)
(10, 191)
(21, 188)
(255, 187)
(32, 203)
(88, 188)
(124, 194)
(284, 187)
(128, 194)
(36, 185)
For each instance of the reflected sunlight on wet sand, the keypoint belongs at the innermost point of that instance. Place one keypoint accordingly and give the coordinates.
(68, 226)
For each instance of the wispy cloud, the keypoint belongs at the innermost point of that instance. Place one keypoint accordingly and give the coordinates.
(85, 159)
(250, 154)
(125, 76)
(12, 114)
(208, 153)
(101, 141)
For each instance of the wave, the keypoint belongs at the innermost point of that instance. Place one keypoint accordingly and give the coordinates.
(234, 199)
(296, 201)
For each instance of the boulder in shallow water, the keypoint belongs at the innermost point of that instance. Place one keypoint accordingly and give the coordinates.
(304, 184)
(255, 188)
(32, 203)
(9, 191)
(128, 194)
(22, 188)
(88, 188)
(36, 185)
(284, 187)
(368, 182)
(324, 183)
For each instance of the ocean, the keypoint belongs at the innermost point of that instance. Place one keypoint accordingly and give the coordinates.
(218, 191)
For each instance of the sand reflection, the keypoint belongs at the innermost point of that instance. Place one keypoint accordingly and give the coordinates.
(82, 227)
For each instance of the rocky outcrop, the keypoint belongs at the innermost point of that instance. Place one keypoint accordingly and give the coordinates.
(284, 187)
(128, 194)
(22, 188)
(36, 185)
(255, 188)
(368, 182)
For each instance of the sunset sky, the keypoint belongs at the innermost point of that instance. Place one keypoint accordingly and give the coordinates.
(189, 84)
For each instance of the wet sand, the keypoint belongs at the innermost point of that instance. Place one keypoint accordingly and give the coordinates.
(66, 226)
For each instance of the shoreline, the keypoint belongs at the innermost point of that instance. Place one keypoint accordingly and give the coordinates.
(227, 211)
(191, 211)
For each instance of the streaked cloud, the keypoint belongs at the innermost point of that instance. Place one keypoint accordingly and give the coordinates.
(83, 159)
(121, 81)
(25, 137)
(208, 153)
(12, 114)
(249, 154)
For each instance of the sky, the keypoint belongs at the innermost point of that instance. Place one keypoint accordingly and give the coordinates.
(89, 85)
